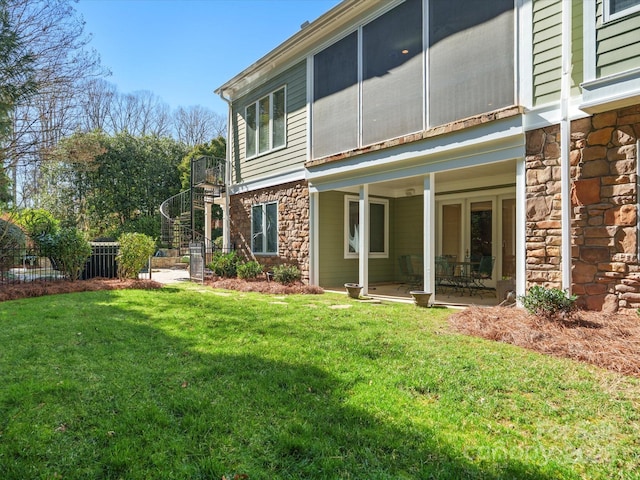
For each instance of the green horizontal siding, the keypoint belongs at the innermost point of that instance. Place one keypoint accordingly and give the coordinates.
(547, 51)
(617, 44)
(280, 161)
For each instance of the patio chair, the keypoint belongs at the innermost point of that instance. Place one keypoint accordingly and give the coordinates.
(407, 270)
(483, 273)
(445, 270)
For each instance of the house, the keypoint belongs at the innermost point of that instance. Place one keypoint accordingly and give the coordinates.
(506, 129)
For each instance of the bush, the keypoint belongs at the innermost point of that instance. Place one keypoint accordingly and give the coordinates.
(249, 270)
(135, 250)
(225, 264)
(12, 243)
(548, 302)
(68, 250)
(286, 274)
(37, 222)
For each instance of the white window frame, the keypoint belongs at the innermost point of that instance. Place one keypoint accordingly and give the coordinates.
(263, 208)
(379, 201)
(256, 105)
(608, 16)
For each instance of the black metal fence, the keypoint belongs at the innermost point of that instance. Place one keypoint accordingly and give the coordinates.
(28, 264)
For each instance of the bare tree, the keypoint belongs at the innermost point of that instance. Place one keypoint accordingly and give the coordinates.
(54, 35)
(197, 125)
(95, 104)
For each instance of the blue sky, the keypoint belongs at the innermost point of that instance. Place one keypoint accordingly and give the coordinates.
(181, 50)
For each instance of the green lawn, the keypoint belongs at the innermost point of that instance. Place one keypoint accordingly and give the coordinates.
(189, 383)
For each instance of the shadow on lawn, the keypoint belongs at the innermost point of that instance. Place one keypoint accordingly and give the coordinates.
(135, 402)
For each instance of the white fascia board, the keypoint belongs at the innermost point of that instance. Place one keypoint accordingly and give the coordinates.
(493, 142)
(268, 182)
(549, 114)
(611, 92)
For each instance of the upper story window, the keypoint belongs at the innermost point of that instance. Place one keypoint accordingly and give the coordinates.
(614, 9)
(266, 124)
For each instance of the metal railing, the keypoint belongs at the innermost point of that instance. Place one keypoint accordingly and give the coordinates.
(30, 264)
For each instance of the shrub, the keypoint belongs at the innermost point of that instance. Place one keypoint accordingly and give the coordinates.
(12, 243)
(249, 270)
(225, 264)
(135, 250)
(286, 274)
(68, 250)
(548, 302)
(37, 222)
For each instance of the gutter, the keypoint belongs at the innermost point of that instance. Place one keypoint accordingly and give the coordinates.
(565, 138)
(226, 224)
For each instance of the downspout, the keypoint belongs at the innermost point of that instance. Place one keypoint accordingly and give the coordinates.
(226, 223)
(565, 138)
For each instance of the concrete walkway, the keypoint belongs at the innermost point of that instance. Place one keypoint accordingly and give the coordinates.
(167, 275)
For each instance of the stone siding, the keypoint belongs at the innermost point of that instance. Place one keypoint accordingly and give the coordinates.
(293, 225)
(605, 269)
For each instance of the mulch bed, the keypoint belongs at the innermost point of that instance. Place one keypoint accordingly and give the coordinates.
(15, 291)
(610, 341)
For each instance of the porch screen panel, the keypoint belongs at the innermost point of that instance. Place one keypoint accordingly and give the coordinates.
(335, 98)
(392, 89)
(471, 58)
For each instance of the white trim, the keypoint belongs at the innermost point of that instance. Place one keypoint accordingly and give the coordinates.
(348, 199)
(488, 143)
(589, 39)
(314, 238)
(521, 227)
(363, 257)
(263, 209)
(267, 182)
(607, 16)
(256, 104)
(429, 233)
(611, 92)
(523, 49)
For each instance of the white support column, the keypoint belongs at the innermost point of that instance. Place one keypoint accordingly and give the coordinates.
(207, 225)
(521, 227)
(363, 255)
(429, 243)
(314, 232)
(226, 225)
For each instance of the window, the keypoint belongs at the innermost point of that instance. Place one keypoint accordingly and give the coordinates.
(614, 9)
(264, 228)
(265, 124)
(378, 228)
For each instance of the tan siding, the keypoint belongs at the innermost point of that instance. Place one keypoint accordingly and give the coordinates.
(617, 44)
(291, 157)
(335, 270)
(547, 51)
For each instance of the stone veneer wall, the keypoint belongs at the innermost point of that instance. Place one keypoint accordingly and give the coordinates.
(293, 224)
(605, 268)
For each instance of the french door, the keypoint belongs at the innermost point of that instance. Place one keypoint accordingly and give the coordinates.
(473, 227)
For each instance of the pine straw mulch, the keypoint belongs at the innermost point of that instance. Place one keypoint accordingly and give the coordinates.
(610, 341)
(261, 286)
(15, 291)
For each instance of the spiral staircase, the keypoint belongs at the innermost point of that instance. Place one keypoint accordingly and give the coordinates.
(178, 227)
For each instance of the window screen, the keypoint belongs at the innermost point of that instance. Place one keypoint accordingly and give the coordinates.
(617, 6)
(392, 90)
(251, 131)
(471, 69)
(335, 94)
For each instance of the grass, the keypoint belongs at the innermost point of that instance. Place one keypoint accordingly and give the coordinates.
(180, 383)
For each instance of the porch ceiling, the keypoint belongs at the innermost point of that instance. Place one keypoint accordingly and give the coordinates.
(501, 173)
